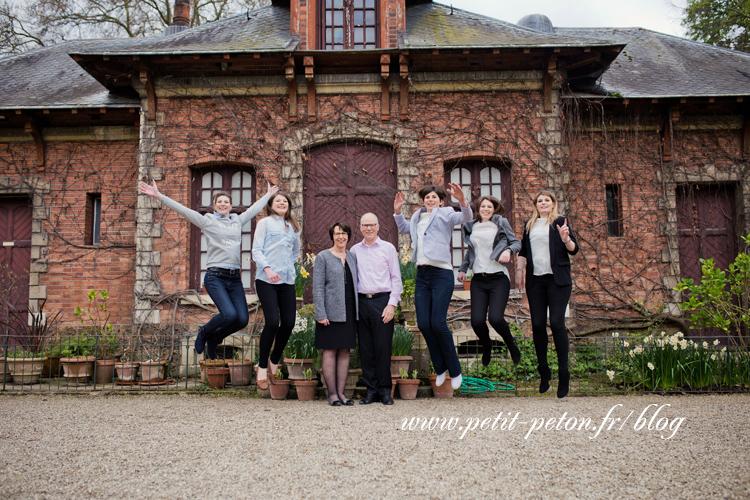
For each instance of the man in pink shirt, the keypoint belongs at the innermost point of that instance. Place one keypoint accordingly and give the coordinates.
(379, 286)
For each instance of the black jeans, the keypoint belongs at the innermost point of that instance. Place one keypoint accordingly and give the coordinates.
(545, 295)
(489, 296)
(279, 304)
(375, 341)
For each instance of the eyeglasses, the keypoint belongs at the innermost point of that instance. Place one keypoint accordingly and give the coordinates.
(340, 234)
(369, 226)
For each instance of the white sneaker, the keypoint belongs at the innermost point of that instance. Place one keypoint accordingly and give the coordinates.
(440, 379)
(456, 382)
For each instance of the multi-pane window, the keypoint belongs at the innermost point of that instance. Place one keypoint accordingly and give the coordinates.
(93, 219)
(478, 178)
(241, 185)
(614, 210)
(349, 24)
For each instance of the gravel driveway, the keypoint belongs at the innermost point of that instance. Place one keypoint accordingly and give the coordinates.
(195, 446)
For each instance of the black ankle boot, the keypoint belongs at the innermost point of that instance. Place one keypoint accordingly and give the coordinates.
(515, 353)
(546, 375)
(487, 354)
(564, 384)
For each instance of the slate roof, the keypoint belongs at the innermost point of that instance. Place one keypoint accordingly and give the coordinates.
(432, 25)
(262, 30)
(657, 65)
(49, 78)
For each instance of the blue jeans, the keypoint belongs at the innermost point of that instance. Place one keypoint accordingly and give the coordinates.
(228, 294)
(433, 289)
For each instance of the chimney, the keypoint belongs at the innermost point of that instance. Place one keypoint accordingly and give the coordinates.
(180, 19)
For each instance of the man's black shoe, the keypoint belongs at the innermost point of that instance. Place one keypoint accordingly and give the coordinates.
(369, 399)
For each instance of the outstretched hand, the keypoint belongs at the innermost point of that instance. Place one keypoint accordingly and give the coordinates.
(272, 190)
(564, 231)
(150, 190)
(454, 189)
(398, 203)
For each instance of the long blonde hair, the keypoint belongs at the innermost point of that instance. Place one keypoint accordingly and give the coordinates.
(553, 215)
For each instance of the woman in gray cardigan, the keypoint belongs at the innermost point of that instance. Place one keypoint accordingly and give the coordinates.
(335, 297)
(491, 242)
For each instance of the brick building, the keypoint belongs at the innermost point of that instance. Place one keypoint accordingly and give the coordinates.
(644, 138)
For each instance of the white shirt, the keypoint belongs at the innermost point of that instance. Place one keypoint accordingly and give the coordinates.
(483, 237)
(539, 239)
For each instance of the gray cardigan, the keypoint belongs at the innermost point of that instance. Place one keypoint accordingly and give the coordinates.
(329, 292)
(505, 239)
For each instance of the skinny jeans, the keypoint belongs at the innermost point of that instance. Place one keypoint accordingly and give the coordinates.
(279, 304)
(489, 296)
(433, 289)
(545, 295)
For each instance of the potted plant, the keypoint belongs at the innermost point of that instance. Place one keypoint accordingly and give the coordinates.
(306, 388)
(217, 376)
(25, 361)
(300, 352)
(25, 366)
(408, 279)
(467, 280)
(240, 370)
(407, 387)
(154, 370)
(444, 390)
(77, 359)
(127, 371)
(403, 341)
(95, 322)
(280, 388)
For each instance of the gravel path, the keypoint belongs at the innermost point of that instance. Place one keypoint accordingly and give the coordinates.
(194, 446)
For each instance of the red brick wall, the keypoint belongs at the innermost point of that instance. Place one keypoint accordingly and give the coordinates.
(75, 169)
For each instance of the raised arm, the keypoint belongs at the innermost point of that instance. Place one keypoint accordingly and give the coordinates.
(256, 207)
(401, 222)
(150, 190)
(191, 215)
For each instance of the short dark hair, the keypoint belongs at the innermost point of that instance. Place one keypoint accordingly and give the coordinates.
(221, 193)
(429, 189)
(343, 227)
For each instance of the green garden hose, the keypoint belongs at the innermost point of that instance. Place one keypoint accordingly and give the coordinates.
(471, 385)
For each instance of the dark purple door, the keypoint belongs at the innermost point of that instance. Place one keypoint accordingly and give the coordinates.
(706, 218)
(343, 181)
(15, 260)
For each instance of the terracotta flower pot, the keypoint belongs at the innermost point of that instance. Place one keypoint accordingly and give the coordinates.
(51, 367)
(279, 389)
(407, 388)
(215, 363)
(394, 383)
(445, 390)
(399, 363)
(240, 372)
(105, 371)
(78, 369)
(26, 370)
(467, 285)
(127, 371)
(217, 377)
(153, 371)
(410, 316)
(305, 389)
(298, 367)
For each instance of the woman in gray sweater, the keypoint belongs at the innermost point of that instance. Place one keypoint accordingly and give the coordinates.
(335, 297)
(223, 282)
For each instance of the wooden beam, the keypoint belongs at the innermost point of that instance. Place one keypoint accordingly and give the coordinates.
(403, 63)
(746, 136)
(290, 77)
(309, 63)
(385, 91)
(32, 128)
(147, 79)
(666, 140)
(549, 76)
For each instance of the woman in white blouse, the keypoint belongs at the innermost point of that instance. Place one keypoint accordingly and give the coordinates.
(491, 242)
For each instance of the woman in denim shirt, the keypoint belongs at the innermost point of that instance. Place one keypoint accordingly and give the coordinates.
(276, 245)
(431, 229)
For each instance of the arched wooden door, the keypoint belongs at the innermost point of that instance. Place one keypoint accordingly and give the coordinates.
(342, 181)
